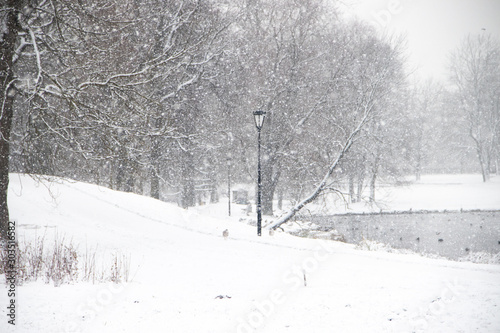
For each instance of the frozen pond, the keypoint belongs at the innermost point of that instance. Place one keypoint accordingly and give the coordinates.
(448, 234)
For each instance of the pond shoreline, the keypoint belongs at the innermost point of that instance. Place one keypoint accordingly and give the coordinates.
(420, 211)
(450, 234)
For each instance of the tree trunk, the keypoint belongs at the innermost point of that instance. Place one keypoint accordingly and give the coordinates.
(374, 176)
(418, 167)
(7, 93)
(359, 194)
(212, 174)
(482, 163)
(188, 198)
(154, 168)
(120, 174)
(372, 187)
(269, 182)
(267, 199)
(361, 178)
(280, 198)
(352, 199)
(214, 194)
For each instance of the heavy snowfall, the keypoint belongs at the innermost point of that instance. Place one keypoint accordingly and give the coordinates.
(248, 166)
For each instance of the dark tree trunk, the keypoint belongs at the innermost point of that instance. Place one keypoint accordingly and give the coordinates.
(269, 182)
(280, 198)
(188, 198)
(372, 187)
(214, 194)
(482, 159)
(271, 172)
(155, 168)
(359, 194)
(212, 175)
(120, 175)
(374, 175)
(267, 200)
(418, 168)
(7, 92)
(352, 199)
(361, 178)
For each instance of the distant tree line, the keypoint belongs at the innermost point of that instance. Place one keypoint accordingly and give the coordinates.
(156, 97)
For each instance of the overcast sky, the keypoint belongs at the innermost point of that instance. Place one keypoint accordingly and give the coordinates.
(433, 27)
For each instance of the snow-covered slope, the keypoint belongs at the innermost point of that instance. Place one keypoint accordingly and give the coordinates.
(185, 277)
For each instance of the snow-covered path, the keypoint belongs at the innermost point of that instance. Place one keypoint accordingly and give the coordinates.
(180, 264)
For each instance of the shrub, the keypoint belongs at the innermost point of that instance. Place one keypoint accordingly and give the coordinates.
(63, 263)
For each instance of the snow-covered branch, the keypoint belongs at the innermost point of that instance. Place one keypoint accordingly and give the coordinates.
(37, 55)
(323, 184)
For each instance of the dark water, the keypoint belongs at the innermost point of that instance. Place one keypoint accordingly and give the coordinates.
(450, 234)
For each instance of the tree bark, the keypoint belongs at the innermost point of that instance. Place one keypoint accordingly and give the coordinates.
(7, 94)
(374, 175)
(418, 167)
(188, 198)
(352, 199)
(280, 198)
(481, 157)
(268, 188)
(361, 179)
(372, 186)
(154, 168)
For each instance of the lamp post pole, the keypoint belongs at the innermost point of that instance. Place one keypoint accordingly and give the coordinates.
(229, 184)
(259, 190)
(229, 157)
(259, 121)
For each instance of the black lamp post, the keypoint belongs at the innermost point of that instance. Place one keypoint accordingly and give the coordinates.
(229, 184)
(259, 121)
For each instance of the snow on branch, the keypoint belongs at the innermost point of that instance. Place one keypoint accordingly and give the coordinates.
(323, 185)
(37, 53)
(181, 86)
(17, 53)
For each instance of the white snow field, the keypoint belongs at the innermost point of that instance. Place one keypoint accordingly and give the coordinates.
(185, 277)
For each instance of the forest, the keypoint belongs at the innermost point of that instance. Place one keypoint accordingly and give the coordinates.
(156, 97)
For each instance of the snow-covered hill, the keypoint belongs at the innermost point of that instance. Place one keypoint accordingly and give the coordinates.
(185, 277)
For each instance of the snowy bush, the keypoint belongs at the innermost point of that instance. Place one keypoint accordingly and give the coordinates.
(62, 263)
(370, 245)
(319, 234)
(482, 258)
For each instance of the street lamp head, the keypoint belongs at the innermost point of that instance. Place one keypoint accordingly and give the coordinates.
(259, 116)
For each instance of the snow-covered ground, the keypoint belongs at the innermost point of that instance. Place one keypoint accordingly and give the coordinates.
(185, 277)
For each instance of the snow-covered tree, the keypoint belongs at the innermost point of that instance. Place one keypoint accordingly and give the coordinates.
(10, 26)
(475, 70)
(355, 109)
(91, 86)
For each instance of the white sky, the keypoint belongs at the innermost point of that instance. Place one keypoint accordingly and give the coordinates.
(433, 28)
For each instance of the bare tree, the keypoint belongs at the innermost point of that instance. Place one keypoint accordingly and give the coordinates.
(475, 70)
(281, 71)
(93, 85)
(377, 74)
